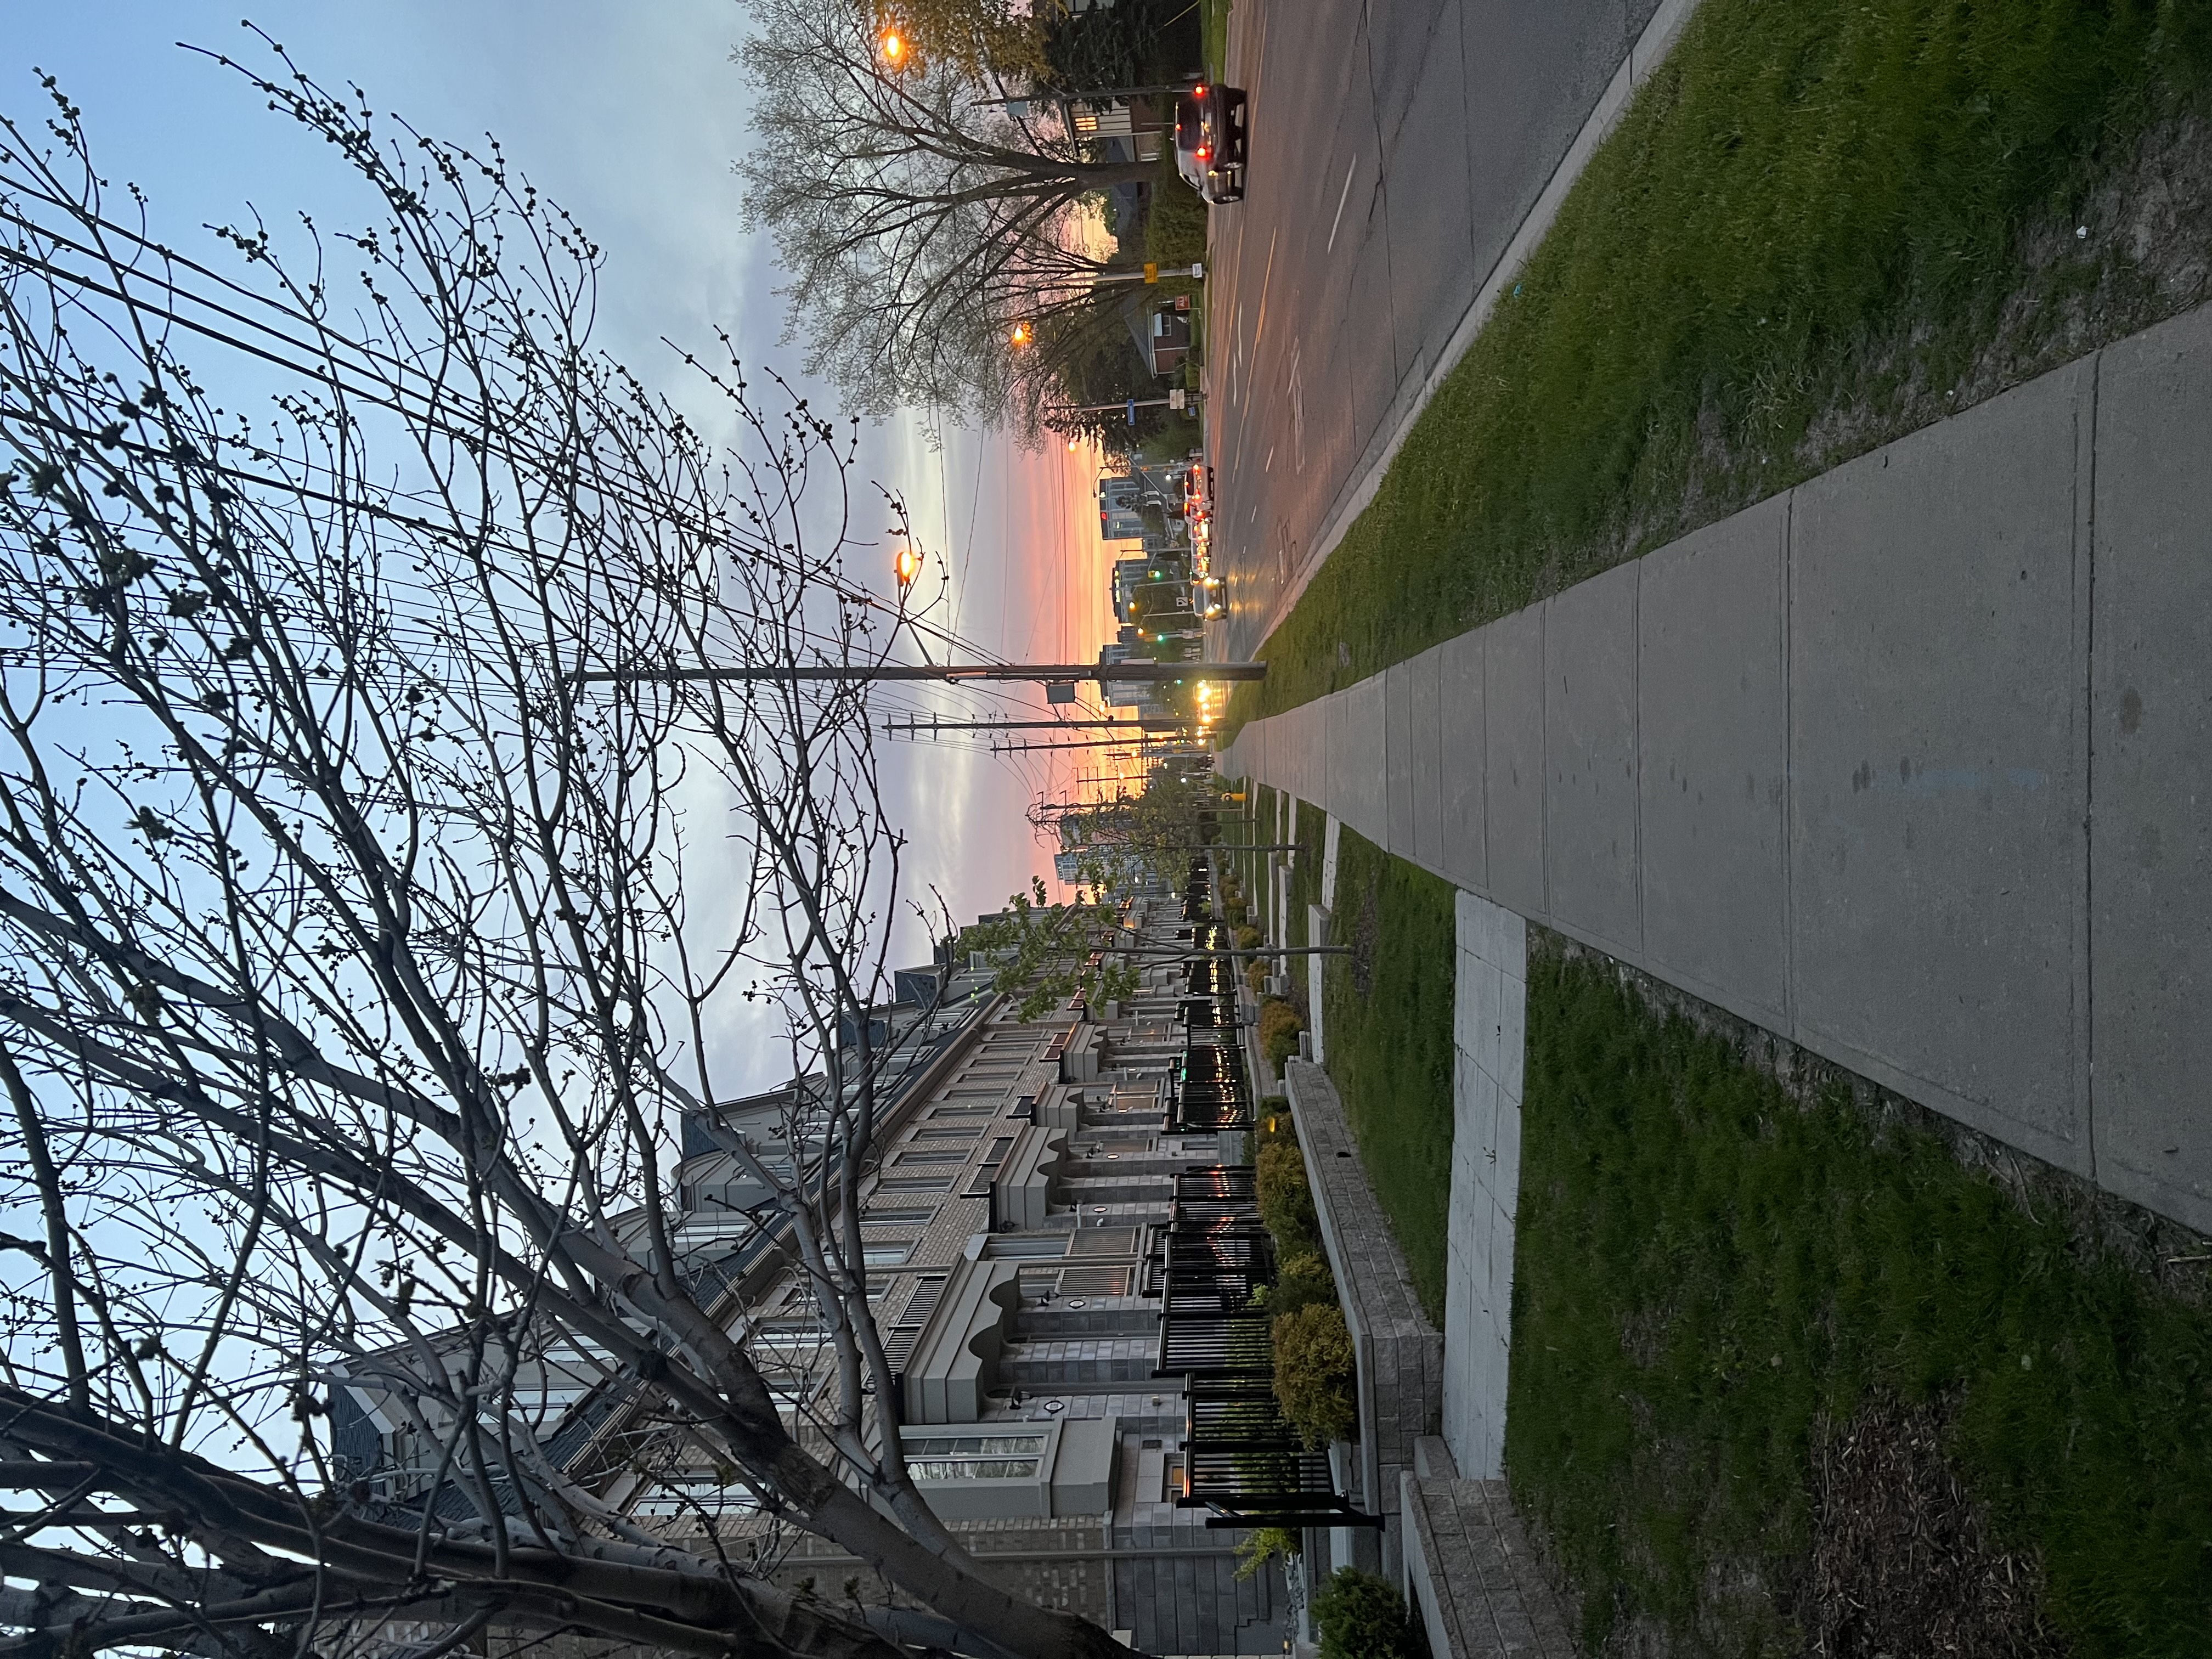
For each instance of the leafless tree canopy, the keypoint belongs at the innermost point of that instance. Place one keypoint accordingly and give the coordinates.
(919, 220)
(358, 950)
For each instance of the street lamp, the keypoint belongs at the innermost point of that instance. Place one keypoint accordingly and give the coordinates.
(906, 567)
(893, 46)
(1019, 335)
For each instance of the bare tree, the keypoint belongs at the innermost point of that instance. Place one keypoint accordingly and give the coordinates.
(920, 222)
(367, 920)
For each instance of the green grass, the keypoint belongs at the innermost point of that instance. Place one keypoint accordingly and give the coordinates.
(1175, 225)
(1213, 26)
(1773, 1264)
(1816, 221)
(1388, 1044)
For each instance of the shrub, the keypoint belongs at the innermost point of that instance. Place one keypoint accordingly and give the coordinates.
(1248, 939)
(1275, 1122)
(1363, 1616)
(1255, 972)
(1280, 1026)
(1302, 1281)
(1316, 1372)
(1234, 911)
(1261, 1546)
(1286, 1203)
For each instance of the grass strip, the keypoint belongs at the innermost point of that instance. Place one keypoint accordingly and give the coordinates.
(1819, 228)
(1213, 27)
(1711, 1276)
(1387, 1032)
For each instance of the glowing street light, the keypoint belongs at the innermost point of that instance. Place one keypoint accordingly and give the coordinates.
(906, 567)
(1020, 334)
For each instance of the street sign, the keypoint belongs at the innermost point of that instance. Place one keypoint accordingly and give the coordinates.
(1133, 411)
(1151, 271)
(1175, 400)
(1059, 691)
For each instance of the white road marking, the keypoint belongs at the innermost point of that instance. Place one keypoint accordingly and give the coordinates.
(1343, 196)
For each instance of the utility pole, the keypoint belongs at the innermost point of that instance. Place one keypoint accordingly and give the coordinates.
(1148, 723)
(1080, 743)
(1041, 673)
(1173, 400)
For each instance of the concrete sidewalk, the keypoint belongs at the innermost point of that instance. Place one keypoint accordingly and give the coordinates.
(1912, 765)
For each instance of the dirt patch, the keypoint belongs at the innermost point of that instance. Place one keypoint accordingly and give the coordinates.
(1902, 1564)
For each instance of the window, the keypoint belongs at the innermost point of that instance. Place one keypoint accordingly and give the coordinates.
(975, 1456)
(959, 1132)
(916, 1183)
(886, 1255)
(972, 1445)
(934, 1155)
(887, 1218)
(993, 1468)
(692, 1491)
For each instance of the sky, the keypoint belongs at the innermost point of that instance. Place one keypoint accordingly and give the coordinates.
(628, 114)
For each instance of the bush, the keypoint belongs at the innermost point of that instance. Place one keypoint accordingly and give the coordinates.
(1286, 1203)
(1280, 1026)
(1263, 1545)
(1300, 1281)
(1275, 1122)
(1234, 912)
(1248, 939)
(1316, 1372)
(1362, 1616)
(1255, 972)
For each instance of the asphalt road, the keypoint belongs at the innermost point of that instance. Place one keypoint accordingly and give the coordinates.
(1396, 148)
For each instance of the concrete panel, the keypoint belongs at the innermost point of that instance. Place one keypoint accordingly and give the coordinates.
(1589, 758)
(1358, 765)
(1938, 762)
(2150, 848)
(1399, 761)
(1461, 760)
(1513, 779)
(1312, 750)
(1712, 729)
(1423, 749)
(1335, 772)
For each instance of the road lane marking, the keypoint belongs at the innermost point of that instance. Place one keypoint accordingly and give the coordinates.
(1267, 276)
(1343, 196)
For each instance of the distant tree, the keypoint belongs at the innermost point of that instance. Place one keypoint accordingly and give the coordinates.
(1159, 829)
(919, 222)
(1102, 366)
(1130, 42)
(1048, 953)
(985, 42)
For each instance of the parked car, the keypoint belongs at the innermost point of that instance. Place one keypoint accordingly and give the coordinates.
(1210, 141)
